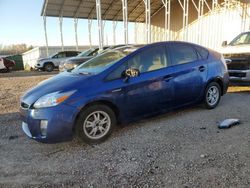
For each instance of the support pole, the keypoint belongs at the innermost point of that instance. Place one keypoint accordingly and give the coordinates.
(100, 26)
(114, 32)
(125, 20)
(200, 9)
(166, 4)
(89, 32)
(45, 33)
(184, 7)
(148, 20)
(135, 29)
(61, 32)
(244, 17)
(214, 4)
(76, 37)
(45, 27)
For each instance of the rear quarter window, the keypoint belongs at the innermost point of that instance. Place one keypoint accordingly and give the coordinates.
(202, 52)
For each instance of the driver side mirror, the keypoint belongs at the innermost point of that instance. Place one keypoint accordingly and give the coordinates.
(130, 72)
(224, 43)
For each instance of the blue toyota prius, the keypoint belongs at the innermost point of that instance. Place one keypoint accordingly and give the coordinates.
(122, 85)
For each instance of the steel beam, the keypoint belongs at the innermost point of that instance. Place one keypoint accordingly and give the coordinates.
(167, 6)
(125, 20)
(114, 32)
(200, 9)
(99, 21)
(148, 20)
(45, 33)
(76, 36)
(61, 31)
(214, 4)
(184, 7)
(136, 29)
(89, 32)
(45, 27)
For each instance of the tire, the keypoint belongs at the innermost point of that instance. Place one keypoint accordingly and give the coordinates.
(90, 129)
(49, 67)
(212, 95)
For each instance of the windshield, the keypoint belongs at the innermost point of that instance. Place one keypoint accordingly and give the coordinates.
(85, 53)
(241, 39)
(102, 61)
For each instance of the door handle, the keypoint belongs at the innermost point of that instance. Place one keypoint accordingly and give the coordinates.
(202, 68)
(167, 78)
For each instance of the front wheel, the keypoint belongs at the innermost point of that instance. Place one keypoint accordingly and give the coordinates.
(212, 95)
(49, 67)
(95, 124)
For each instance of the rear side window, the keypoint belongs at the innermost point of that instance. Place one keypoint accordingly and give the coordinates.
(150, 59)
(202, 52)
(183, 53)
(71, 54)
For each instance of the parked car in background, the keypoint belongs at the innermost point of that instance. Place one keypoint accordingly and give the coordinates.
(73, 62)
(6, 65)
(122, 85)
(237, 53)
(52, 62)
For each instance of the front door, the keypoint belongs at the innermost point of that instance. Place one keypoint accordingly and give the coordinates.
(152, 90)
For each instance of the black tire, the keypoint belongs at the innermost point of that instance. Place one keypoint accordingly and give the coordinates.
(81, 130)
(49, 67)
(208, 103)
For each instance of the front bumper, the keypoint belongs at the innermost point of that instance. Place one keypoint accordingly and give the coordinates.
(239, 75)
(60, 120)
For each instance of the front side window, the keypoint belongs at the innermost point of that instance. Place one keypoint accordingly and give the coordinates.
(148, 60)
(183, 53)
(61, 55)
(241, 39)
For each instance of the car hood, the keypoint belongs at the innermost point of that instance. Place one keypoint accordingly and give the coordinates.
(62, 82)
(239, 49)
(42, 59)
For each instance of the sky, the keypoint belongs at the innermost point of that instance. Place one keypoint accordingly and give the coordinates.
(21, 23)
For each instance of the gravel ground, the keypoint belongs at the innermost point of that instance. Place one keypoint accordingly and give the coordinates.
(179, 149)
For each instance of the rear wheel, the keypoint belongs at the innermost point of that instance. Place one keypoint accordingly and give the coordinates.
(95, 124)
(212, 95)
(48, 67)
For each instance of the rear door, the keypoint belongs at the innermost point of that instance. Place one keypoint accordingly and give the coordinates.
(189, 74)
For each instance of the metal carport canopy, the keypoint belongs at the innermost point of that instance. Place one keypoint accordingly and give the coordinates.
(110, 9)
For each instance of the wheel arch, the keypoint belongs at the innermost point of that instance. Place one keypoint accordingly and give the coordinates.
(98, 102)
(219, 81)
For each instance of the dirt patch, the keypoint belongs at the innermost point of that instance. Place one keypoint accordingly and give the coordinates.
(179, 149)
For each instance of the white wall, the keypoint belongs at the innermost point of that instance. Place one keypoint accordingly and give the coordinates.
(210, 31)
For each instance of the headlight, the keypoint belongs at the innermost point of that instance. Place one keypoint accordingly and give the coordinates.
(52, 99)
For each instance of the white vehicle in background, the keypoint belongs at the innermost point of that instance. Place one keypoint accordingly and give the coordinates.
(237, 55)
(52, 62)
